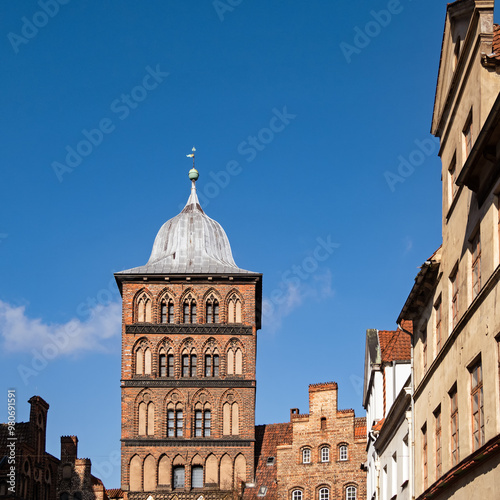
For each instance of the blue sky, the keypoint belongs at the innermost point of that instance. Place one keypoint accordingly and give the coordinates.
(311, 122)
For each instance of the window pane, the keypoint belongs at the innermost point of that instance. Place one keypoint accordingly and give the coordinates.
(185, 365)
(193, 365)
(297, 495)
(179, 477)
(193, 312)
(216, 365)
(170, 365)
(170, 423)
(186, 312)
(163, 312)
(208, 422)
(208, 365)
(179, 423)
(163, 365)
(306, 456)
(216, 311)
(324, 494)
(170, 312)
(197, 476)
(209, 313)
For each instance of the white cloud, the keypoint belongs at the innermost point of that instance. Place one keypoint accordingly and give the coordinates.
(287, 298)
(20, 333)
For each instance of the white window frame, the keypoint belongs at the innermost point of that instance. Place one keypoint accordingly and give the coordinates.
(306, 456)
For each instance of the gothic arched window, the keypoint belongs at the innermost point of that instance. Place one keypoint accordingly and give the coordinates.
(167, 310)
(212, 310)
(144, 309)
(234, 309)
(189, 310)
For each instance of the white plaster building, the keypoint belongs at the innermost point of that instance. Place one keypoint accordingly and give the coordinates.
(386, 398)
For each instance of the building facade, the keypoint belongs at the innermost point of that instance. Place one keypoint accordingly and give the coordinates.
(454, 302)
(190, 321)
(317, 455)
(38, 475)
(386, 399)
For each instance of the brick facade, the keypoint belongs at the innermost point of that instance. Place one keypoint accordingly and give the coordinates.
(325, 427)
(227, 458)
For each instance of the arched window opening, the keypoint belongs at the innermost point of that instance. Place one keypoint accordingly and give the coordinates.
(197, 476)
(343, 452)
(212, 310)
(189, 364)
(146, 418)
(230, 419)
(234, 309)
(147, 361)
(296, 495)
(144, 309)
(189, 311)
(211, 365)
(162, 363)
(324, 494)
(230, 362)
(202, 423)
(139, 361)
(179, 477)
(135, 473)
(175, 423)
(167, 311)
(325, 454)
(351, 493)
(306, 456)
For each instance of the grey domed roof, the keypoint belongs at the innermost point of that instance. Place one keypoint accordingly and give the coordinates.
(190, 243)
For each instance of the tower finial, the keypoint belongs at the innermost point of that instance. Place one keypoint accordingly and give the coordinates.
(193, 173)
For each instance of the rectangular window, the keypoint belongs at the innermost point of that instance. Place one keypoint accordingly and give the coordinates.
(454, 426)
(170, 423)
(179, 477)
(207, 424)
(170, 312)
(163, 365)
(208, 365)
(424, 455)
(452, 175)
(163, 312)
(170, 365)
(454, 297)
(477, 406)
(179, 423)
(423, 335)
(193, 365)
(437, 310)
(198, 422)
(467, 137)
(439, 455)
(185, 365)
(216, 365)
(476, 264)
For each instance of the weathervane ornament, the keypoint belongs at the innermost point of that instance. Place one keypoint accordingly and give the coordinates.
(193, 173)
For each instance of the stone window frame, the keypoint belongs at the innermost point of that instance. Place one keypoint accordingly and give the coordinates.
(306, 455)
(477, 399)
(147, 315)
(343, 452)
(322, 449)
(349, 489)
(454, 426)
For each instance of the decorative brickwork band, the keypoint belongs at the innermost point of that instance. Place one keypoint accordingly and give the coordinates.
(187, 329)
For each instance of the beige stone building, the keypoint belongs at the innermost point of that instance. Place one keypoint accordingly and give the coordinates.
(454, 302)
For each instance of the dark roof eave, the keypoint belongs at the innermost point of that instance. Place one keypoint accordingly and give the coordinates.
(425, 277)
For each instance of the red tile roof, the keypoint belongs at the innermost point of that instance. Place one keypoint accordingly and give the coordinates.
(378, 425)
(267, 438)
(359, 427)
(394, 345)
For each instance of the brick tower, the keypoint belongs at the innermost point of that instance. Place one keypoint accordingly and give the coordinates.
(190, 321)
